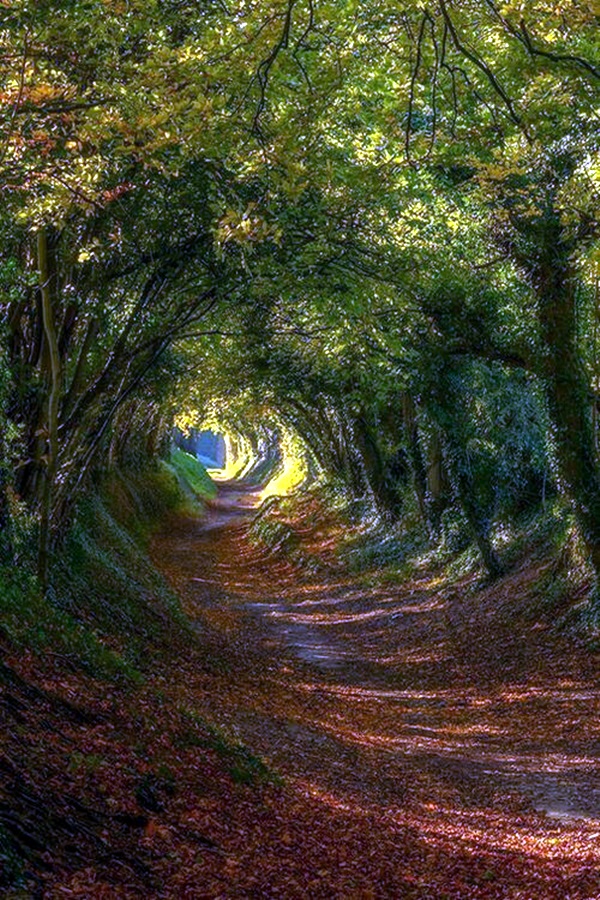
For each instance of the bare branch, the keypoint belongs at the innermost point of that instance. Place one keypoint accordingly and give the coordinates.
(434, 81)
(262, 73)
(411, 93)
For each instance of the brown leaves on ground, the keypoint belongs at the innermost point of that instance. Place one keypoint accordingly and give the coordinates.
(420, 731)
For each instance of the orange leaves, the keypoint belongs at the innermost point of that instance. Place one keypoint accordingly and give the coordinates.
(156, 830)
(118, 191)
(407, 773)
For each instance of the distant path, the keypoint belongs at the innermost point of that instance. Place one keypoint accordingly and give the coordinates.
(234, 503)
(450, 712)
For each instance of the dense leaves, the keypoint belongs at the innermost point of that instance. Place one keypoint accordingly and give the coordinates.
(364, 214)
(361, 235)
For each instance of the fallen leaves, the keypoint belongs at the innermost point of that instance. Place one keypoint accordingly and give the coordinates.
(407, 747)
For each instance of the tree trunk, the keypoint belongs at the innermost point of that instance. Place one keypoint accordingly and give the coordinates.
(415, 455)
(387, 500)
(477, 515)
(53, 379)
(568, 393)
(436, 481)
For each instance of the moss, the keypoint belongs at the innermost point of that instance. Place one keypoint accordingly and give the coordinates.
(105, 577)
(191, 473)
(30, 621)
(109, 610)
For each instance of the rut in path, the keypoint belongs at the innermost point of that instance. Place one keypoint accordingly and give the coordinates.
(446, 707)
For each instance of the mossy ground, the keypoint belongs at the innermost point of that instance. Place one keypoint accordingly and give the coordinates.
(108, 607)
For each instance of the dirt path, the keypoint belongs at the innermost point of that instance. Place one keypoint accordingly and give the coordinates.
(446, 712)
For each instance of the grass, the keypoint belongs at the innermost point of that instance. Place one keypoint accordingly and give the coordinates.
(105, 577)
(30, 622)
(109, 613)
(109, 610)
(192, 475)
(243, 766)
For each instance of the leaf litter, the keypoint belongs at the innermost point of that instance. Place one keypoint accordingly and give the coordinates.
(328, 735)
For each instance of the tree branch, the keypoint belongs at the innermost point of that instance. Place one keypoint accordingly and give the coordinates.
(483, 67)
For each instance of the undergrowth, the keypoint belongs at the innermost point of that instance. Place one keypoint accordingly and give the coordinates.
(193, 478)
(243, 766)
(271, 528)
(110, 614)
(28, 621)
(108, 609)
(393, 553)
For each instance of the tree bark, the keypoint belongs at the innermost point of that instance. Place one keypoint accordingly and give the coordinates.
(387, 500)
(415, 455)
(568, 392)
(53, 379)
(436, 481)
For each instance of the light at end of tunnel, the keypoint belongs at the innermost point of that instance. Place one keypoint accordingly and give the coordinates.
(291, 472)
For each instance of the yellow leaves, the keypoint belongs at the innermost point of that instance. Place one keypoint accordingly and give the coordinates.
(40, 94)
(549, 20)
(246, 228)
(499, 172)
(156, 120)
(188, 419)
(191, 53)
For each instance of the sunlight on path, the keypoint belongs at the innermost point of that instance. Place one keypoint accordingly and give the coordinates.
(377, 700)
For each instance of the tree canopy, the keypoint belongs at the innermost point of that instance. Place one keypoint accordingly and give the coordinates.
(373, 224)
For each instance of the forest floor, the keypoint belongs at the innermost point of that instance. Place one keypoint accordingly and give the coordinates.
(436, 739)
(340, 735)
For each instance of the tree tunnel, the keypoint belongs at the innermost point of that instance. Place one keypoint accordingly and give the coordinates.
(407, 279)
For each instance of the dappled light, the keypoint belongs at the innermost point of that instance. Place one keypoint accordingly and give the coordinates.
(286, 479)
(376, 703)
(237, 457)
(299, 450)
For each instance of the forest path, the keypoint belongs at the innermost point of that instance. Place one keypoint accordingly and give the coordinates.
(442, 709)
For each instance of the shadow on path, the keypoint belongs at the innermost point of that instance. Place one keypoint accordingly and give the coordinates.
(425, 701)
